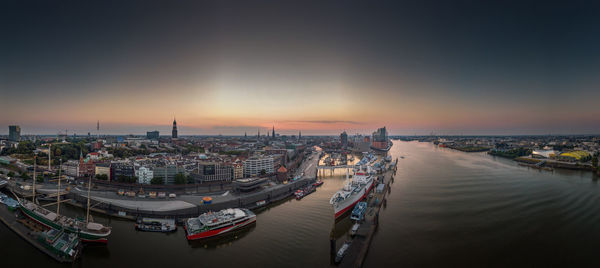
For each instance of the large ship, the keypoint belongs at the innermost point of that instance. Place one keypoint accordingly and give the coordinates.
(215, 223)
(354, 190)
(88, 232)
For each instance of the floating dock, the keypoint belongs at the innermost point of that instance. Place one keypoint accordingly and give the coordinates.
(27, 229)
(356, 254)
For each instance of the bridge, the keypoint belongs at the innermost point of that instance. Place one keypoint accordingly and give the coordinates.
(322, 167)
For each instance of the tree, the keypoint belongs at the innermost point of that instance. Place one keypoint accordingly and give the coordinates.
(180, 178)
(11, 174)
(1, 172)
(103, 177)
(190, 180)
(40, 179)
(25, 176)
(263, 172)
(595, 161)
(157, 180)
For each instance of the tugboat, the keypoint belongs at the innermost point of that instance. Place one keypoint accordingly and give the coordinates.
(155, 225)
(215, 223)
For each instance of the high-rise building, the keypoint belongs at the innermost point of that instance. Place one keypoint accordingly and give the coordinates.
(152, 135)
(255, 165)
(14, 133)
(174, 132)
(344, 139)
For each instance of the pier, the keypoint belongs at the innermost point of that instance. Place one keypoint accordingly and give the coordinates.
(359, 247)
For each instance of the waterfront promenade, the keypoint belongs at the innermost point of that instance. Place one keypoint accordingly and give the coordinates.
(186, 205)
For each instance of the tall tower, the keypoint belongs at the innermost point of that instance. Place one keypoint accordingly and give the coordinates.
(174, 132)
(299, 134)
(273, 135)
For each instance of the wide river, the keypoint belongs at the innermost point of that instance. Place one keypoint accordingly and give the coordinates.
(445, 208)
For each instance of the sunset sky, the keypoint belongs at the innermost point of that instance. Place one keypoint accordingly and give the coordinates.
(226, 67)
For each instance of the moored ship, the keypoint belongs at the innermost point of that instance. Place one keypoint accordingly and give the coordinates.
(353, 191)
(215, 223)
(155, 225)
(88, 232)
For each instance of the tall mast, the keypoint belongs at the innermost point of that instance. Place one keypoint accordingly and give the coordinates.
(49, 156)
(58, 190)
(34, 168)
(87, 216)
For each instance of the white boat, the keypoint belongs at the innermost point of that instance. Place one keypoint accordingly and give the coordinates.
(354, 229)
(340, 254)
(354, 190)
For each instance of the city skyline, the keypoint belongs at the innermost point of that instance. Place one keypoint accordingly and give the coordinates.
(418, 68)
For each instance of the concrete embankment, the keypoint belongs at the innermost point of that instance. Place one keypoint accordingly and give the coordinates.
(185, 206)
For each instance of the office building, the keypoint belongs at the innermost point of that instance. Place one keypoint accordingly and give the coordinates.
(14, 133)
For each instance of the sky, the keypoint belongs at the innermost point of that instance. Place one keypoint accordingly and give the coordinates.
(320, 67)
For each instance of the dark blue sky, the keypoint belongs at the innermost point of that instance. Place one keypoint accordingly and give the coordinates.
(226, 66)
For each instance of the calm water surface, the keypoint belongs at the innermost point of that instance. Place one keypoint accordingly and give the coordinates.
(446, 208)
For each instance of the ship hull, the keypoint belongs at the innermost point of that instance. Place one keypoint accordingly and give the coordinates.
(220, 231)
(85, 237)
(348, 205)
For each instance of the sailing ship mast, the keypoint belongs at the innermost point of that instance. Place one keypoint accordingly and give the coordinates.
(58, 190)
(87, 216)
(34, 167)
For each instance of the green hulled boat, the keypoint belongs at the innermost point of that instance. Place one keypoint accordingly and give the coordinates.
(64, 245)
(88, 232)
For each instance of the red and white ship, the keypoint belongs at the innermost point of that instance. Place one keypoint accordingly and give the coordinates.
(215, 223)
(353, 191)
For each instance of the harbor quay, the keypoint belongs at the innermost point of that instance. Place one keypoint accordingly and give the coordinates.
(185, 206)
(359, 245)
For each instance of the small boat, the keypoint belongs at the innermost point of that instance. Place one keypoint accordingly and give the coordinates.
(299, 194)
(9, 202)
(65, 245)
(155, 225)
(342, 252)
(354, 229)
(318, 183)
(358, 213)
